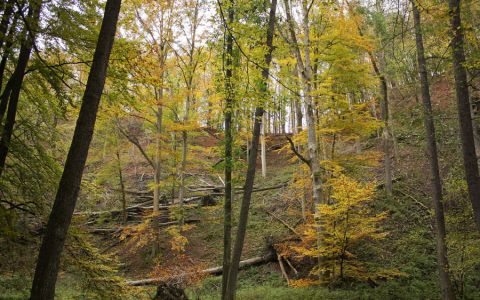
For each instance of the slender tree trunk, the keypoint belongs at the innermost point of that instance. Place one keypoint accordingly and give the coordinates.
(306, 76)
(122, 184)
(158, 174)
(386, 137)
(15, 82)
(476, 127)
(190, 72)
(8, 42)
(183, 165)
(384, 114)
(443, 267)
(463, 106)
(229, 93)
(174, 175)
(157, 162)
(43, 287)
(299, 116)
(7, 13)
(263, 148)
(249, 180)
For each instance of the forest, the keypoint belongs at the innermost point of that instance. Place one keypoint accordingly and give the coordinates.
(239, 149)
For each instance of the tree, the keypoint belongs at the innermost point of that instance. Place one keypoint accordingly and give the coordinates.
(445, 284)
(463, 106)
(305, 70)
(347, 224)
(188, 69)
(11, 93)
(48, 262)
(252, 162)
(384, 107)
(229, 98)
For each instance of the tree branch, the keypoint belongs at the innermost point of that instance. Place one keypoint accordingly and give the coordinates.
(298, 154)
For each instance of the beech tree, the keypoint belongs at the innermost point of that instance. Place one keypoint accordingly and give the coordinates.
(305, 71)
(228, 112)
(447, 292)
(11, 93)
(143, 167)
(463, 106)
(252, 162)
(43, 286)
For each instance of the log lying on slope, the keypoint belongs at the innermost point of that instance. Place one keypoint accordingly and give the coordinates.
(119, 229)
(216, 190)
(134, 208)
(211, 271)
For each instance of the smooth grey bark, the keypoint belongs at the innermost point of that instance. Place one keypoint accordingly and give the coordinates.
(48, 263)
(188, 71)
(305, 70)
(439, 219)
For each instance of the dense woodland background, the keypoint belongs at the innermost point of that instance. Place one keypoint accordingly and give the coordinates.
(150, 149)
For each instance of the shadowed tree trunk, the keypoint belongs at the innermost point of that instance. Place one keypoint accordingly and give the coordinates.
(7, 13)
(263, 147)
(227, 222)
(48, 262)
(120, 181)
(252, 162)
(14, 85)
(463, 106)
(445, 284)
(3, 63)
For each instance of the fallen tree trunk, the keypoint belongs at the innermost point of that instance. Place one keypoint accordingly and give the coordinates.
(211, 271)
(138, 207)
(119, 229)
(216, 191)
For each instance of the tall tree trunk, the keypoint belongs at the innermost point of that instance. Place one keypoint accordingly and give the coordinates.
(14, 85)
(252, 163)
(443, 268)
(229, 94)
(157, 159)
(305, 71)
(7, 13)
(386, 136)
(263, 148)
(158, 132)
(48, 262)
(463, 106)
(299, 116)
(7, 43)
(121, 183)
(384, 113)
(175, 167)
(189, 70)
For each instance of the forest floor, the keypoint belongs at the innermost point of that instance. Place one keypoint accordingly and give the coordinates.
(409, 248)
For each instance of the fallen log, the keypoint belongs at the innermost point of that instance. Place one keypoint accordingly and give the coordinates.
(211, 271)
(119, 229)
(204, 188)
(282, 269)
(138, 207)
(282, 221)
